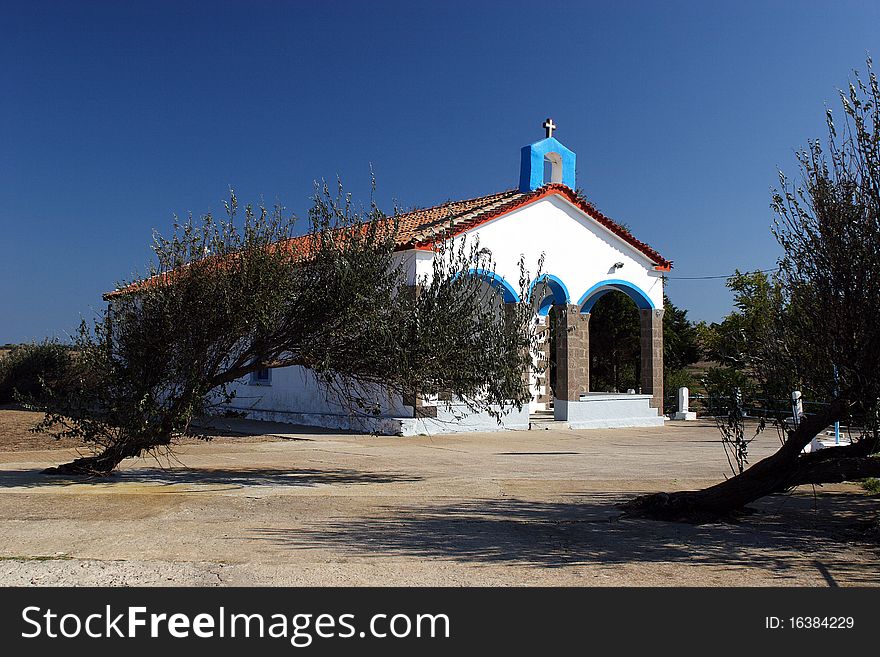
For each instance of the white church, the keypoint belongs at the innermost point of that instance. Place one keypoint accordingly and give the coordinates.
(587, 255)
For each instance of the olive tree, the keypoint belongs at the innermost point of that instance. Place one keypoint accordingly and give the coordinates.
(820, 332)
(234, 295)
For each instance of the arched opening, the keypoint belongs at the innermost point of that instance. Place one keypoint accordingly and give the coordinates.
(546, 293)
(597, 291)
(622, 350)
(490, 290)
(615, 344)
(552, 168)
(490, 278)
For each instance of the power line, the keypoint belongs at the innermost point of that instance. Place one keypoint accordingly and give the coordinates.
(705, 278)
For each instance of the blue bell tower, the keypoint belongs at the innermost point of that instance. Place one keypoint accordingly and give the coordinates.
(562, 162)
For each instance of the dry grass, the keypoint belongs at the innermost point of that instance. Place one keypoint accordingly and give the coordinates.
(15, 435)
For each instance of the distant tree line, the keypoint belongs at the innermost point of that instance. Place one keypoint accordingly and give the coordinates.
(615, 348)
(27, 369)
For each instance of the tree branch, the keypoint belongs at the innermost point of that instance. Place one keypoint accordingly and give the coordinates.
(811, 426)
(837, 470)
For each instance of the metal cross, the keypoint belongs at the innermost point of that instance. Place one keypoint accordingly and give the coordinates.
(549, 127)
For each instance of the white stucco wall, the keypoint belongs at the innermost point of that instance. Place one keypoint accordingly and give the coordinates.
(294, 396)
(295, 390)
(578, 250)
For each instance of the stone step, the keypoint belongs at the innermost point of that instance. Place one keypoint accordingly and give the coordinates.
(597, 410)
(546, 424)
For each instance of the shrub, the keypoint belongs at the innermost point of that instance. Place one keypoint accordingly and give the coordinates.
(721, 384)
(26, 368)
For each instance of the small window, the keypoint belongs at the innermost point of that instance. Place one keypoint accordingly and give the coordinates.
(261, 377)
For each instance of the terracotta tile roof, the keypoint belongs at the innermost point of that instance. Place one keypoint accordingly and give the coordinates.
(419, 225)
(420, 228)
(299, 249)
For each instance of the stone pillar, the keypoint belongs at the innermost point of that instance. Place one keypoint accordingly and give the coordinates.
(652, 356)
(421, 407)
(510, 311)
(572, 352)
(540, 373)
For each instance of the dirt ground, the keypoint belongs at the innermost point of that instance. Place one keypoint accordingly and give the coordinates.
(296, 506)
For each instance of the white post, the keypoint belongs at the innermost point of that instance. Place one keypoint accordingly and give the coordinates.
(797, 407)
(683, 406)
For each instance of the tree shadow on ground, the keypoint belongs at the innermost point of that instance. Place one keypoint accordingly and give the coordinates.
(785, 535)
(223, 477)
(236, 426)
(207, 434)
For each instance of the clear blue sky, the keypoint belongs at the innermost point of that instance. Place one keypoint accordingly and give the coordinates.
(114, 116)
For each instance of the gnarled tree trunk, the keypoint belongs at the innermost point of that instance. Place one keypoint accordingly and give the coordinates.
(103, 463)
(783, 470)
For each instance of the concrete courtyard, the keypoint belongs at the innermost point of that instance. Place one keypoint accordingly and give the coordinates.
(300, 507)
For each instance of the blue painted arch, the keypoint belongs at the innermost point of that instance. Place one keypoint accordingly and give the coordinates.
(634, 292)
(558, 293)
(507, 292)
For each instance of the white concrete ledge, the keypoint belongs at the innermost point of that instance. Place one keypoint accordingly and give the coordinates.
(388, 426)
(455, 420)
(458, 419)
(608, 411)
